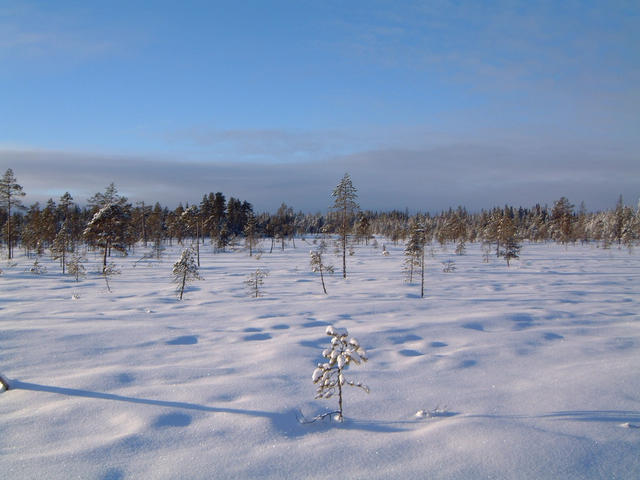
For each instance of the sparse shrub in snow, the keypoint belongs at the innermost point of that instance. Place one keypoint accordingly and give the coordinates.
(329, 376)
(255, 281)
(318, 266)
(185, 270)
(461, 248)
(486, 251)
(37, 268)
(75, 266)
(449, 266)
(108, 271)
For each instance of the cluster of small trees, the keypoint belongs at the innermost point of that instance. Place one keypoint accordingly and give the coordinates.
(562, 223)
(109, 222)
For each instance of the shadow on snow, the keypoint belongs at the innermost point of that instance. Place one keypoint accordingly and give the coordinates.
(286, 422)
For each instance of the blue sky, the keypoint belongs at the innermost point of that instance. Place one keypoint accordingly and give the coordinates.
(427, 104)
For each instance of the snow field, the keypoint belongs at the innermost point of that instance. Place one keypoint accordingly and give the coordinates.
(536, 364)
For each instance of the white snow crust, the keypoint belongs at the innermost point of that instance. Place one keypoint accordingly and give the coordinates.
(537, 364)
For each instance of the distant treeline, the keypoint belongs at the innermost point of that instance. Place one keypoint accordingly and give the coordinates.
(63, 225)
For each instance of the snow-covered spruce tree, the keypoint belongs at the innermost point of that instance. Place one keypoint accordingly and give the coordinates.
(329, 376)
(318, 266)
(61, 246)
(345, 208)
(414, 252)
(185, 270)
(511, 250)
(255, 281)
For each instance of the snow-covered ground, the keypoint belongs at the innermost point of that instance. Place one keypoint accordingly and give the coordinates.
(533, 368)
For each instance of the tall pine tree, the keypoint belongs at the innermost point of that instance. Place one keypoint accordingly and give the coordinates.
(10, 193)
(345, 208)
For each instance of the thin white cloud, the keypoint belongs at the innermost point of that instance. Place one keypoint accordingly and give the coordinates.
(37, 33)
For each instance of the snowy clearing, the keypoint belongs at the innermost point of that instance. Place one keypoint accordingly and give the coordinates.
(527, 372)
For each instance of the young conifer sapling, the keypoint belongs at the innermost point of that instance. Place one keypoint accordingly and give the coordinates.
(318, 266)
(329, 376)
(255, 281)
(185, 270)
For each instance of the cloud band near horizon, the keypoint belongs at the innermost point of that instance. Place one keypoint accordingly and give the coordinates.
(424, 179)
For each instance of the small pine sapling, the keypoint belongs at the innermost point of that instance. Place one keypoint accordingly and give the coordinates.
(255, 281)
(318, 266)
(486, 251)
(449, 266)
(511, 250)
(75, 266)
(158, 248)
(414, 253)
(185, 270)
(461, 248)
(329, 376)
(37, 268)
(108, 271)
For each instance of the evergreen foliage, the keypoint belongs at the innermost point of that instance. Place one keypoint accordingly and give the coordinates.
(344, 207)
(75, 266)
(329, 376)
(255, 281)
(109, 229)
(414, 253)
(318, 266)
(10, 193)
(185, 270)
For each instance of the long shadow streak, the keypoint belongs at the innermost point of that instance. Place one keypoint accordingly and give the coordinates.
(285, 421)
(18, 385)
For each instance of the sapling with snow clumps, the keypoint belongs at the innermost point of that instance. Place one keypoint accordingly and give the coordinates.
(255, 281)
(37, 268)
(329, 376)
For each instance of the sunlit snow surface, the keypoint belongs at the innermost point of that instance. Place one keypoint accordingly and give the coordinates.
(537, 365)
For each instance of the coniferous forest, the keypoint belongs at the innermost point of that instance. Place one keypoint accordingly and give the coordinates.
(109, 221)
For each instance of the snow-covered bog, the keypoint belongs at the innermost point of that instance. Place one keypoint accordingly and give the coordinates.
(537, 365)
